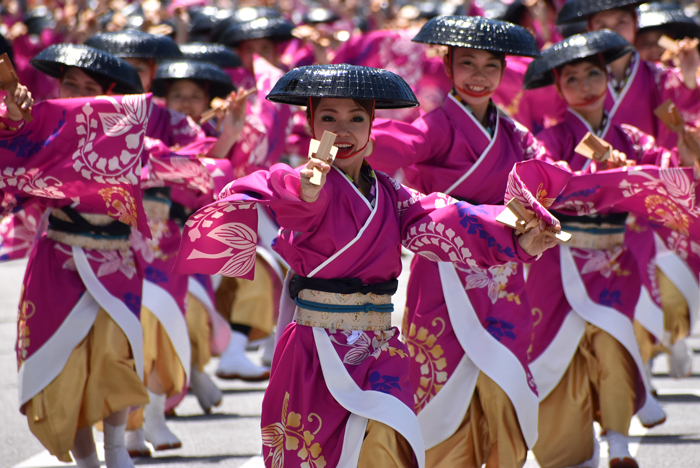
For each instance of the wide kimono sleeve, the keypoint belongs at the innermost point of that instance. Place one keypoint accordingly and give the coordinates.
(670, 86)
(442, 229)
(647, 152)
(399, 144)
(555, 146)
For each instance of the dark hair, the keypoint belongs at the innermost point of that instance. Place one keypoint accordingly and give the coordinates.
(501, 56)
(594, 60)
(366, 104)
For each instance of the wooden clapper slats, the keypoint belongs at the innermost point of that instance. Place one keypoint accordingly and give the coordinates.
(522, 220)
(669, 115)
(323, 150)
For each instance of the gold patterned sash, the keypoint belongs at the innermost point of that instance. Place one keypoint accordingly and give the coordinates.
(86, 242)
(365, 321)
(585, 238)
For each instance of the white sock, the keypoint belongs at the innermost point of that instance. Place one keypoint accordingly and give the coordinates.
(116, 455)
(91, 461)
(617, 445)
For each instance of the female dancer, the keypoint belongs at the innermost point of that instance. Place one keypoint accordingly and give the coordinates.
(467, 149)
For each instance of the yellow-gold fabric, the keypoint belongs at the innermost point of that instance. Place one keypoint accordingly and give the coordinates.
(489, 433)
(98, 380)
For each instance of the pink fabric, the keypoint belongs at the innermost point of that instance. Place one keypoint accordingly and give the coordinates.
(438, 148)
(25, 48)
(651, 86)
(18, 230)
(172, 128)
(537, 109)
(87, 149)
(394, 51)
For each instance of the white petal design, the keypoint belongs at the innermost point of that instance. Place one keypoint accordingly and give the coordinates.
(236, 235)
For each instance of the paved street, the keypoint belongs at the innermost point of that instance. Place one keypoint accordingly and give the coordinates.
(230, 436)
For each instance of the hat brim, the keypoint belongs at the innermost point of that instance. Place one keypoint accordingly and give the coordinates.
(342, 81)
(607, 44)
(474, 32)
(54, 60)
(577, 10)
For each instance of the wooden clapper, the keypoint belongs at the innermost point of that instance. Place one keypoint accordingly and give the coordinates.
(595, 148)
(522, 220)
(323, 150)
(9, 82)
(672, 47)
(669, 115)
(219, 107)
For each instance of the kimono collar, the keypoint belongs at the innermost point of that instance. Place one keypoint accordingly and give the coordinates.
(618, 86)
(491, 113)
(604, 124)
(367, 173)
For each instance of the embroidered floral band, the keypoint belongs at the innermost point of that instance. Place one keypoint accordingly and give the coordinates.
(334, 311)
(156, 210)
(86, 240)
(595, 236)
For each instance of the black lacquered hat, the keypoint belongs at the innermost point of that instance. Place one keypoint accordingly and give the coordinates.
(669, 18)
(204, 20)
(275, 28)
(37, 19)
(132, 43)
(609, 45)
(577, 10)
(476, 32)
(343, 81)
(100, 64)
(319, 16)
(207, 75)
(238, 16)
(217, 54)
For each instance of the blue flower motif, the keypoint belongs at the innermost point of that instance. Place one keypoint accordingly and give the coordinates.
(23, 147)
(610, 298)
(470, 220)
(156, 276)
(133, 302)
(500, 328)
(383, 383)
(581, 193)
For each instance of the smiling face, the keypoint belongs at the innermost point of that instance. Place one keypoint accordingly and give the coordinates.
(146, 70)
(76, 83)
(265, 48)
(621, 20)
(187, 97)
(476, 71)
(349, 121)
(583, 85)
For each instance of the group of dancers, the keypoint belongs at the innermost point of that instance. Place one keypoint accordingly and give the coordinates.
(177, 200)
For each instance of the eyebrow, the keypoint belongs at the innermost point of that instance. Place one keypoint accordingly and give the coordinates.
(330, 109)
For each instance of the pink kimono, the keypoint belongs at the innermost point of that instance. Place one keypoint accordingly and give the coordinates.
(480, 316)
(326, 385)
(648, 86)
(569, 286)
(25, 48)
(276, 118)
(86, 154)
(537, 109)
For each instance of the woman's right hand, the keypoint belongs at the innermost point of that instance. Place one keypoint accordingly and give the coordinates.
(309, 191)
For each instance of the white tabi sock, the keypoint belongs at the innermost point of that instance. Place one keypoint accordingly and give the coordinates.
(91, 461)
(116, 455)
(617, 445)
